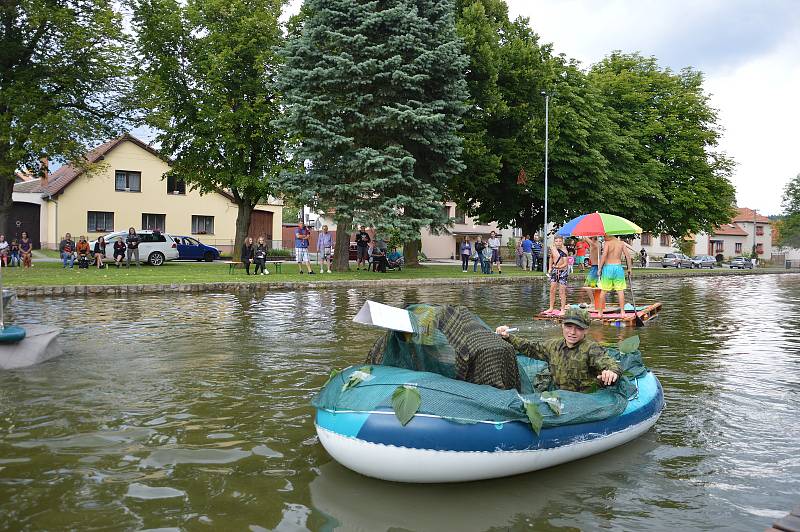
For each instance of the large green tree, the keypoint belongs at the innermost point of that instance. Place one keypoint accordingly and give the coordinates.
(788, 226)
(670, 131)
(207, 85)
(374, 94)
(62, 83)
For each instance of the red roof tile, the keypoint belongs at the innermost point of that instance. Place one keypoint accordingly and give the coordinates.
(746, 215)
(730, 230)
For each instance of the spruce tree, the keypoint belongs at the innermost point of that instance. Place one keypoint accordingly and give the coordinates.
(374, 93)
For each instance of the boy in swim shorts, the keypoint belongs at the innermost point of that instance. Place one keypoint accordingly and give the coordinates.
(612, 276)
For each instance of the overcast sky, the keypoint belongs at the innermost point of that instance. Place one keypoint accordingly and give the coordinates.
(749, 51)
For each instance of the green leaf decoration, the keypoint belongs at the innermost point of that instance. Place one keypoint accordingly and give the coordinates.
(534, 416)
(334, 373)
(551, 400)
(356, 378)
(405, 401)
(629, 345)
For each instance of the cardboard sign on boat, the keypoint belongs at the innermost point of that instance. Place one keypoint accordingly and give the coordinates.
(380, 315)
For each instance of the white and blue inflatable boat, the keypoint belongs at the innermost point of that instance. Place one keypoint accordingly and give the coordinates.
(440, 444)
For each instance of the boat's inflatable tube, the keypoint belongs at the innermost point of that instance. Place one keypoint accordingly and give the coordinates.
(434, 449)
(40, 343)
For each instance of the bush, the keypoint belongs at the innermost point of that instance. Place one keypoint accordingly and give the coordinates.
(719, 258)
(280, 252)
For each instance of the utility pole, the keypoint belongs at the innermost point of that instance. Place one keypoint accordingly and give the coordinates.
(546, 251)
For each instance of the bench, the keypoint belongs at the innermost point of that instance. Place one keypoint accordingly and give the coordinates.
(276, 264)
(232, 265)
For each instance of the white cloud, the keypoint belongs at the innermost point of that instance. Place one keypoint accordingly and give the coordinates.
(749, 51)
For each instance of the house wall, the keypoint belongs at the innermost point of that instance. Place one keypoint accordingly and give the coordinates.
(765, 240)
(654, 249)
(94, 191)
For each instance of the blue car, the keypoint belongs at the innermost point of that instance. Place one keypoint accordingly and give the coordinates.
(192, 249)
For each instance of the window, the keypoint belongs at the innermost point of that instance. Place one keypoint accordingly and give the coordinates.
(760, 249)
(738, 247)
(152, 237)
(461, 216)
(666, 240)
(154, 222)
(99, 222)
(446, 211)
(759, 230)
(128, 181)
(176, 185)
(719, 246)
(647, 239)
(202, 225)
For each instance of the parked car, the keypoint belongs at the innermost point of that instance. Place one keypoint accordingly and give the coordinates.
(189, 248)
(154, 248)
(741, 263)
(703, 261)
(676, 260)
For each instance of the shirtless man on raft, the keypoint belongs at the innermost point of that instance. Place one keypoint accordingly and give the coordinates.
(612, 276)
(590, 283)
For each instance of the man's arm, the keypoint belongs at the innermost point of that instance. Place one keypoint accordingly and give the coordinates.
(603, 258)
(626, 250)
(531, 349)
(607, 368)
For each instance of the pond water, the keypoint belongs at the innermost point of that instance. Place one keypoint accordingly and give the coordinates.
(192, 412)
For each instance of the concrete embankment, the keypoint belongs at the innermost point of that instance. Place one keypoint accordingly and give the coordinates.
(119, 290)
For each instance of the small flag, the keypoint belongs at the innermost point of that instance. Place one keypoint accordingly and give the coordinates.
(522, 179)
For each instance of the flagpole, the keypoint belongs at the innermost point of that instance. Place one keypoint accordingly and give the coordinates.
(546, 251)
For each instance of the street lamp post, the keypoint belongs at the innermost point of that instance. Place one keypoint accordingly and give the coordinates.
(546, 250)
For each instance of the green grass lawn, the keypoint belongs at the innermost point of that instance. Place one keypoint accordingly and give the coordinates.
(53, 274)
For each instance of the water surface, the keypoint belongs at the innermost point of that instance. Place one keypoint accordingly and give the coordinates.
(192, 412)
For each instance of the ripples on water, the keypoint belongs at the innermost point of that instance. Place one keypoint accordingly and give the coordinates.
(192, 411)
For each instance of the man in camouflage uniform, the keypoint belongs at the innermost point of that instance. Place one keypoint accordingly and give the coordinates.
(576, 362)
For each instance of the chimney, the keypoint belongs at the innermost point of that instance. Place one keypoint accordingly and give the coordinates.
(45, 171)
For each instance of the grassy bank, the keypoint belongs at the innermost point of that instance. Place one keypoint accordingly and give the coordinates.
(53, 274)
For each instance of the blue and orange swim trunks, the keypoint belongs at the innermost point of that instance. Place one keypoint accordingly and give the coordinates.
(591, 277)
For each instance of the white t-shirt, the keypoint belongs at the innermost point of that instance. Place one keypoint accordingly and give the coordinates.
(494, 243)
(3, 245)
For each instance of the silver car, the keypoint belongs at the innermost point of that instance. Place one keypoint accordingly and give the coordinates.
(676, 260)
(703, 261)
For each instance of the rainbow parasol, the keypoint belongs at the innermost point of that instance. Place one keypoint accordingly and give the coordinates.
(599, 224)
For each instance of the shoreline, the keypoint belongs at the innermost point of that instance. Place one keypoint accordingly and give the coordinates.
(239, 286)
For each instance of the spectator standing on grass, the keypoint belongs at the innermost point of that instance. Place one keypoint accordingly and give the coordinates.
(14, 247)
(301, 236)
(4, 251)
(643, 257)
(537, 252)
(67, 249)
(362, 247)
(132, 243)
(466, 253)
(581, 253)
(100, 252)
(527, 253)
(26, 249)
(478, 256)
(248, 253)
(519, 252)
(324, 249)
(494, 246)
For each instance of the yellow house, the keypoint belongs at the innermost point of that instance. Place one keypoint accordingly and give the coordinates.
(124, 187)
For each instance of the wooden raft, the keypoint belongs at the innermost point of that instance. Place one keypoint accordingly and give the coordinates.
(790, 523)
(611, 316)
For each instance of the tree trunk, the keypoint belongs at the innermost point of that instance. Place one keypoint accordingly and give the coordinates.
(7, 173)
(411, 253)
(242, 226)
(341, 251)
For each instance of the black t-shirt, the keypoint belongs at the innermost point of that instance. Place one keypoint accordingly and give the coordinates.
(133, 241)
(362, 239)
(479, 247)
(119, 246)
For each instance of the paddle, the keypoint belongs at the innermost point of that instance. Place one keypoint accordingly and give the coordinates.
(638, 319)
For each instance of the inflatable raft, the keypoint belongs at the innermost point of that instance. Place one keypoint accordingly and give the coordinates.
(369, 438)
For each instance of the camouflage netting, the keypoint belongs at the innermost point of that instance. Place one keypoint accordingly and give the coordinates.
(442, 370)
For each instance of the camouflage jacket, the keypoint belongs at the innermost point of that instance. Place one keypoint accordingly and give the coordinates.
(575, 369)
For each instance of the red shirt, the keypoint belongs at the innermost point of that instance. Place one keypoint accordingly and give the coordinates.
(582, 248)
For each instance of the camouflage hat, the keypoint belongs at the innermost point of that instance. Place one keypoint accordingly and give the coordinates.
(578, 316)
